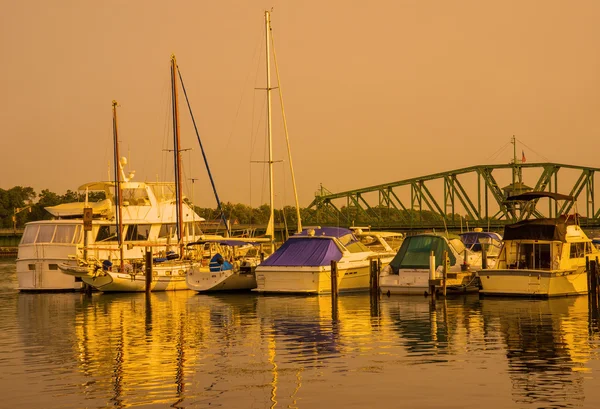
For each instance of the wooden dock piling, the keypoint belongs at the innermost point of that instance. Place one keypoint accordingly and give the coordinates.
(148, 269)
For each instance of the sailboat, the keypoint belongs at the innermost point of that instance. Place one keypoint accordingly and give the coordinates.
(239, 274)
(168, 271)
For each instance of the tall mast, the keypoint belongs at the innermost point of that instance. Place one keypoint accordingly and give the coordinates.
(177, 156)
(118, 196)
(270, 228)
(287, 139)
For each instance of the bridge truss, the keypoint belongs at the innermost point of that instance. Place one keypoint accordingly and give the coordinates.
(475, 195)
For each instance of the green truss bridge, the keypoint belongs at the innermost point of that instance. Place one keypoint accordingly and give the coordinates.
(469, 197)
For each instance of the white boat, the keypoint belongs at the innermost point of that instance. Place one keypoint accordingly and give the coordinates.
(483, 243)
(103, 244)
(228, 268)
(379, 241)
(411, 269)
(150, 221)
(542, 257)
(303, 263)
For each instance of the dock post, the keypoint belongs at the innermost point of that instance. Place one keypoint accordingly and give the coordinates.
(334, 275)
(594, 278)
(374, 276)
(148, 269)
(432, 279)
(484, 256)
(334, 290)
(445, 271)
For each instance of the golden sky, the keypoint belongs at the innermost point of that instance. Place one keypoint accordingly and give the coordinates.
(374, 91)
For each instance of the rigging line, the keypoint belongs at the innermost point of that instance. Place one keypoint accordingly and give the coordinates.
(540, 155)
(495, 154)
(244, 90)
(212, 182)
(167, 129)
(287, 138)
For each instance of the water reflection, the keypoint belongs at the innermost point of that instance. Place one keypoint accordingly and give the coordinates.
(546, 346)
(183, 350)
(432, 329)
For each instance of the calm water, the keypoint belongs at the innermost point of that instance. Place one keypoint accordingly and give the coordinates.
(185, 350)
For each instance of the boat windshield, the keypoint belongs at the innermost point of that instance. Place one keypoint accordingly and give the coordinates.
(415, 252)
(50, 233)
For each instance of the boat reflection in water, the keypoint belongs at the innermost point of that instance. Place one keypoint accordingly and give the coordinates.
(547, 347)
(433, 330)
(183, 349)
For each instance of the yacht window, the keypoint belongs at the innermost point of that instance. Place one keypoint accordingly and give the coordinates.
(542, 256)
(577, 250)
(77, 234)
(525, 256)
(135, 197)
(107, 233)
(137, 232)
(46, 233)
(29, 234)
(167, 230)
(64, 234)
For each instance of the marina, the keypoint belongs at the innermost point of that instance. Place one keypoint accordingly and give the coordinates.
(446, 253)
(186, 350)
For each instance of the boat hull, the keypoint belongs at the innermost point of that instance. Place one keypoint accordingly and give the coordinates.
(165, 277)
(203, 280)
(37, 268)
(352, 276)
(416, 282)
(534, 283)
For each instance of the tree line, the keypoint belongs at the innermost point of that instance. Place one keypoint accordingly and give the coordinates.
(26, 205)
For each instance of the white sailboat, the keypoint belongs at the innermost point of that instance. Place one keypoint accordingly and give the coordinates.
(227, 277)
(168, 273)
(148, 219)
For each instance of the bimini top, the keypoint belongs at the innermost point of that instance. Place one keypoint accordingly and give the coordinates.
(472, 239)
(551, 229)
(538, 195)
(415, 252)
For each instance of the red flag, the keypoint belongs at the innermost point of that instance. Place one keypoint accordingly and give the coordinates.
(522, 156)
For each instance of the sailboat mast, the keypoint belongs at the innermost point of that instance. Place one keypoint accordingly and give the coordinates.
(287, 139)
(270, 228)
(177, 155)
(118, 196)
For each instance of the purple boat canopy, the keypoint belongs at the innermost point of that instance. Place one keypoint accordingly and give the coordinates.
(307, 251)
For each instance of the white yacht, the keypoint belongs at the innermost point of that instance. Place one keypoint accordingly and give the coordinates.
(149, 220)
(543, 257)
(303, 263)
(411, 269)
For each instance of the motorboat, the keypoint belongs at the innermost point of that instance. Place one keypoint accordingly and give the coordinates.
(541, 257)
(484, 244)
(303, 263)
(411, 269)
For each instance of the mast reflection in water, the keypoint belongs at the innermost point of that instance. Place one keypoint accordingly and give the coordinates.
(179, 349)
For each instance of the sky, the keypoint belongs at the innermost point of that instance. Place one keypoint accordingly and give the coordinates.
(374, 92)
